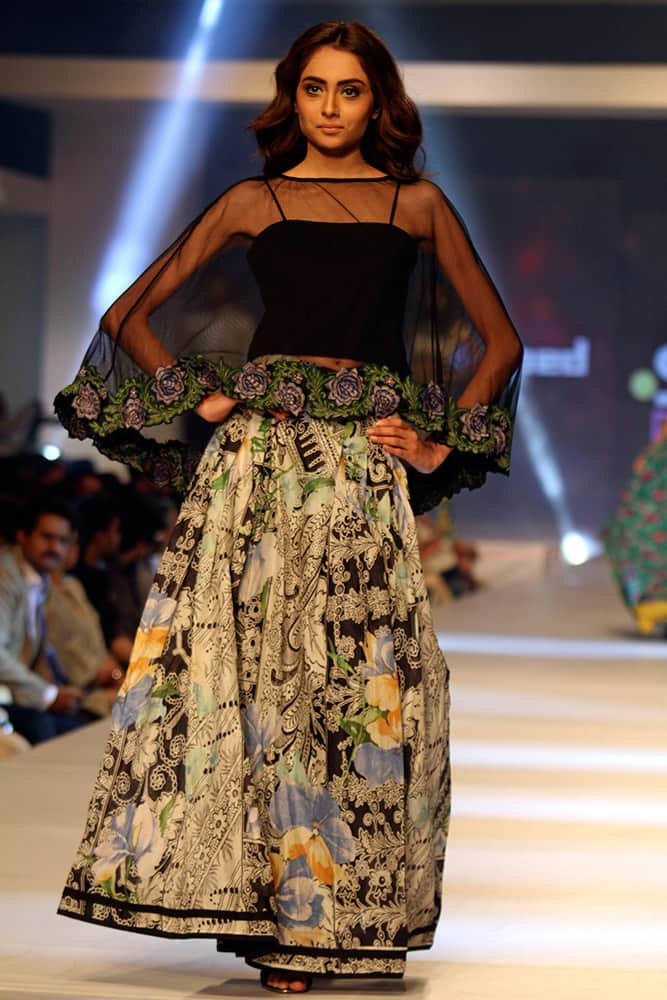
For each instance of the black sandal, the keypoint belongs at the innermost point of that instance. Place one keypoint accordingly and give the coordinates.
(291, 978)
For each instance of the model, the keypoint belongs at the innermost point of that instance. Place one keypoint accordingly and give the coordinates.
(277, 774)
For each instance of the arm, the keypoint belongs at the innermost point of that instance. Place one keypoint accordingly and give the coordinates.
(127, 319)
(27, 688)
(450, 243)
(477, 390)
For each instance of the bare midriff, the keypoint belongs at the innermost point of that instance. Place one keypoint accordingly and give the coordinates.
(334, 363)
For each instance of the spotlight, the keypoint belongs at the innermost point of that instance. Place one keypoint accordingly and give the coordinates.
(577, 549)
(160, 172)
(51, 452)
(210, 13)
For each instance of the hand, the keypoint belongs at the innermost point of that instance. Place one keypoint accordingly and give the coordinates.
(67, 700)
(397, 437)
(216, 407)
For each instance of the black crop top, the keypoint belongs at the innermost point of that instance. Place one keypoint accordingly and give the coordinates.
(333, 288)
(369, 268)
(372, 269)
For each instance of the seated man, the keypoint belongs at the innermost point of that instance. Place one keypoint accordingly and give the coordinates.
(43, 705)
(74, 631)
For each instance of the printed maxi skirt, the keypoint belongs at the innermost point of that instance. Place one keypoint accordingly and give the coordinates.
(277, 773)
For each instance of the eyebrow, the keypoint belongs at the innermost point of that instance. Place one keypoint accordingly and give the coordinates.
(318, 79)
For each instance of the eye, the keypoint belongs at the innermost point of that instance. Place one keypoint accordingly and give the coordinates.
(312, 88)
(351, 91)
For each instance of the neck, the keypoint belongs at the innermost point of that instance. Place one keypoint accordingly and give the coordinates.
(319, 164)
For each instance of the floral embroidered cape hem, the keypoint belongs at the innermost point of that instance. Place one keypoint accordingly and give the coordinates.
(480, 435)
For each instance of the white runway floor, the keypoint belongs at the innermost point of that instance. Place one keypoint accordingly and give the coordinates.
(556, 875)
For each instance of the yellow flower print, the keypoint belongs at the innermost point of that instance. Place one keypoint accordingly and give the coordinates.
(148, 646)
(382, 691)
(302, 842)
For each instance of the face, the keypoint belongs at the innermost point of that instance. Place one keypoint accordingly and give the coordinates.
(46, 546)
(334, 101)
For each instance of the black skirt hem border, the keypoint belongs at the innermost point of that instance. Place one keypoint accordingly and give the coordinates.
(228, 943)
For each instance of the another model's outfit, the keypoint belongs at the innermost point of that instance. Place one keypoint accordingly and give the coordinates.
(277, 774)
(636, 540)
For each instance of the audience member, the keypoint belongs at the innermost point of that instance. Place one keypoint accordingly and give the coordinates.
(10, 742)
(43, 704)
(74, 631)
(107, 587)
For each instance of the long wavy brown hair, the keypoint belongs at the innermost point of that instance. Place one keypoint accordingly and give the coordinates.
(392, 140)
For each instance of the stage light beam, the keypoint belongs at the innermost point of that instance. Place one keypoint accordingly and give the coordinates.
(159, 174)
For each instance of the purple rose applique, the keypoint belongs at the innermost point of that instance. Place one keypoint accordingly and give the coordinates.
(160, 469)
(251, 380)
(77, 429)
(499, 440)
(87, 403)
(474, 422)
(385, 400)
(169, 383)
(345, 387)
(291, 397)
(432, 400)
(208, 377)
(134, 412)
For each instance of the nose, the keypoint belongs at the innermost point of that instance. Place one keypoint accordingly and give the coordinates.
(330, 105)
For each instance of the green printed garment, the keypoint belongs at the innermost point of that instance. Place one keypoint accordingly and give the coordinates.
(636, 540)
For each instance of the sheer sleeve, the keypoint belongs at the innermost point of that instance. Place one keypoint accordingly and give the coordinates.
(172, 337)
(463, 349)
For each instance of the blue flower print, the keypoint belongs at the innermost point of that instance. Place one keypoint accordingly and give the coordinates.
(133, 832)
(299, 900)
(128, 706)
(158, 611)
(377, 765)
(310, 821)
(379, 650)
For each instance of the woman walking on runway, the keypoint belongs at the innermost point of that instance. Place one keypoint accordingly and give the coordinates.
(277, 774)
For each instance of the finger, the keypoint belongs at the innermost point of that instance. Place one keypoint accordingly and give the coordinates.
(393, 421)
(402, 429)
(399, 452)
(405, 441)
